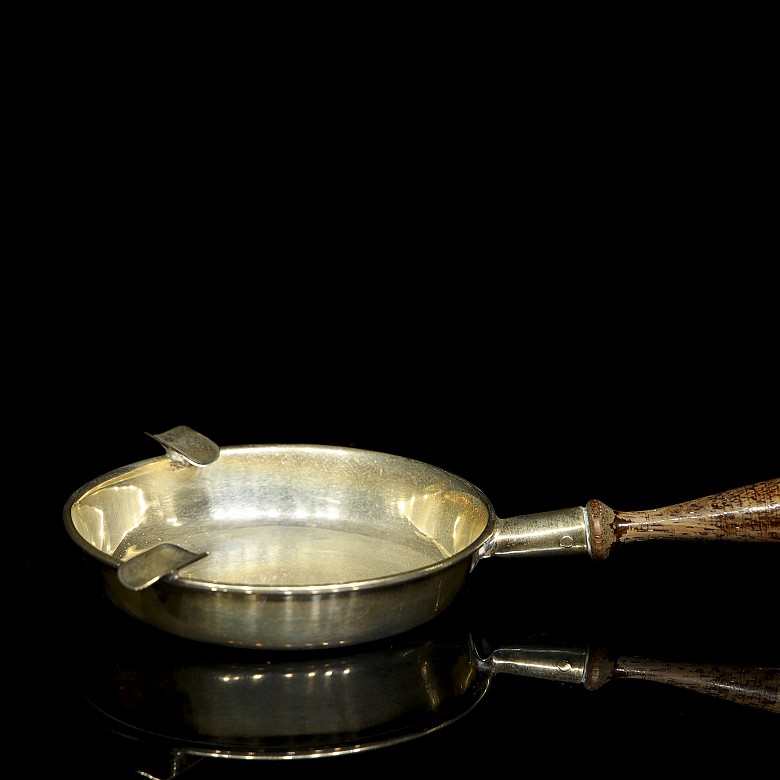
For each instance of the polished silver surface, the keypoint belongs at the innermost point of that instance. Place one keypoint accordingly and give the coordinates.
(285, 516)
(307, 546)
(183, 443)
(559, 532)
(146, 568)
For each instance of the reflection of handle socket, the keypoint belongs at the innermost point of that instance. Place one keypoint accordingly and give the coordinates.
(561, 665)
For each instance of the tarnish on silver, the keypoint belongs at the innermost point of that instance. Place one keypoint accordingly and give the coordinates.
(183, 444)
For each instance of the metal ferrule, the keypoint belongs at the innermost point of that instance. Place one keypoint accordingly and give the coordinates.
(563, 532)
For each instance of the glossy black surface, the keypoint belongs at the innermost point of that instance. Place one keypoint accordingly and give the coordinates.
(104, 696)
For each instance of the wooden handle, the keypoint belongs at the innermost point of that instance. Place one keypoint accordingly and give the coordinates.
(754, 687)
(745, 514)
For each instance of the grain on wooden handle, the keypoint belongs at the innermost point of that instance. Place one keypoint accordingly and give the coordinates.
(757, 687)
(745, 514)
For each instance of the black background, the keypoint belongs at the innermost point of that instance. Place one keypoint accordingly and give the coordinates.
(556, 285)
(542, 394)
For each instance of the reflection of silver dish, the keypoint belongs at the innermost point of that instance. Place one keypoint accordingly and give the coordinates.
(195, 701)
(274, 708)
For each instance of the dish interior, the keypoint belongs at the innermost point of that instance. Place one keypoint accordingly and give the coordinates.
(285, 515)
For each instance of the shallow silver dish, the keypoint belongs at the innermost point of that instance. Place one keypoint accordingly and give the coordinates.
(310, 546)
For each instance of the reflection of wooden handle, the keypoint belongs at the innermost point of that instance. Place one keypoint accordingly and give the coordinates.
(757, 687)
(745, 514)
